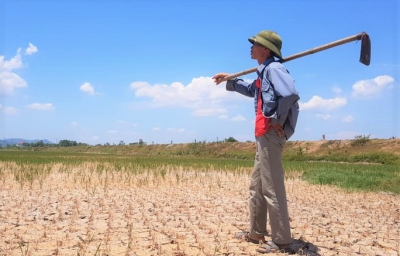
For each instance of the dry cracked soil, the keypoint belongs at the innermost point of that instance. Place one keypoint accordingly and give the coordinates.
(183, 213)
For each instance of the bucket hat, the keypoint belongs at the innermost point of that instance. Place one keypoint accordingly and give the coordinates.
(269, 39)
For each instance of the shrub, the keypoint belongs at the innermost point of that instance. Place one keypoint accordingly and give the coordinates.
(360, 140)
(231, 139)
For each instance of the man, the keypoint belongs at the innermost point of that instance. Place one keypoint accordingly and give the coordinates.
(276, 107)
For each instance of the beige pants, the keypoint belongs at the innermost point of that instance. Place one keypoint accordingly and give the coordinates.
(267, 190)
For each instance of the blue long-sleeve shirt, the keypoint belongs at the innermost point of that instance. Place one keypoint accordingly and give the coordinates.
(279, 95)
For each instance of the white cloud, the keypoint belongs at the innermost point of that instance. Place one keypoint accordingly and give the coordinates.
(200, 93)
(324, 116)
(139, 84)
(87, 88)
(209, 111)
(112, 131)
(8, 79)
(373, 87)
(14, 63)
(239, 118)
(223, 116)
(41, 106)
(156, 129)
(347, 119)
(316, 102)
(8, 110)
(337, 90)
(176, 130)
(31, 49)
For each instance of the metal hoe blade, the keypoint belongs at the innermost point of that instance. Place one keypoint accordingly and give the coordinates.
(365, 55)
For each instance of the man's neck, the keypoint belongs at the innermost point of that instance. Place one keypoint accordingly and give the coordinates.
(262, 60)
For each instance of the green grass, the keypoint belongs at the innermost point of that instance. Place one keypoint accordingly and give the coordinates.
(123, 161)
(370, 157)
(350, 176)
(349, 172)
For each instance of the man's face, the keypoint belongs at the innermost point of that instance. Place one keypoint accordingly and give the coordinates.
(259, 52)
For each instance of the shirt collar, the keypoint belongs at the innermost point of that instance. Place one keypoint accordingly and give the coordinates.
(262, 66)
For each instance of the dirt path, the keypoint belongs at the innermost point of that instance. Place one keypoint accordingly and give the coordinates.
(182, 213)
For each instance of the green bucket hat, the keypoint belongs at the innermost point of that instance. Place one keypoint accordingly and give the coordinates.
(269, 39)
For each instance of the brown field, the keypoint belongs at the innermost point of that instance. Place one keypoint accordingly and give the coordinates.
(185, 212)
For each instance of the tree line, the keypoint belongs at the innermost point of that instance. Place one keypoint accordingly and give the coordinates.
(40, 143)
(72, 143)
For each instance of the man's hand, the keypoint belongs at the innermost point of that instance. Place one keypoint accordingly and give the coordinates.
(219, 77)
(278, 129)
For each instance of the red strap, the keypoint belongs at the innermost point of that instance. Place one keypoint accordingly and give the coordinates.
(259, 100)
(261, 121)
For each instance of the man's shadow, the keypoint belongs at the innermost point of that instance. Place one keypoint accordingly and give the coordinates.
(303, 247)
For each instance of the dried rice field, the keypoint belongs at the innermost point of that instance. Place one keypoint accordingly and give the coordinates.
(181, 212)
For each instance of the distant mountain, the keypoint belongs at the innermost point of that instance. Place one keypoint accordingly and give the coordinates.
(14, 141)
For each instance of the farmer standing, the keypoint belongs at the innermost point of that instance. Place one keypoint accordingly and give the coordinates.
(277, 109)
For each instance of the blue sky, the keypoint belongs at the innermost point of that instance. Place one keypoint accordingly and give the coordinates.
(110, 71)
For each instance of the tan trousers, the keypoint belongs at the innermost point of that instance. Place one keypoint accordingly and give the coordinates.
(267, 190)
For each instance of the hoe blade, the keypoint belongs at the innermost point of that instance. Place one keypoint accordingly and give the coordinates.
(365, 55)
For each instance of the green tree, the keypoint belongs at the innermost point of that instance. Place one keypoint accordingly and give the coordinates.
(67, 143)
(231, 139)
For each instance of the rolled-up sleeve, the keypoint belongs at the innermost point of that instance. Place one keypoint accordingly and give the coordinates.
(285, 89)
(240, 86)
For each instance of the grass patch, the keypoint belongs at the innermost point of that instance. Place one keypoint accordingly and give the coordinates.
(372, 158)
(365, 177)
